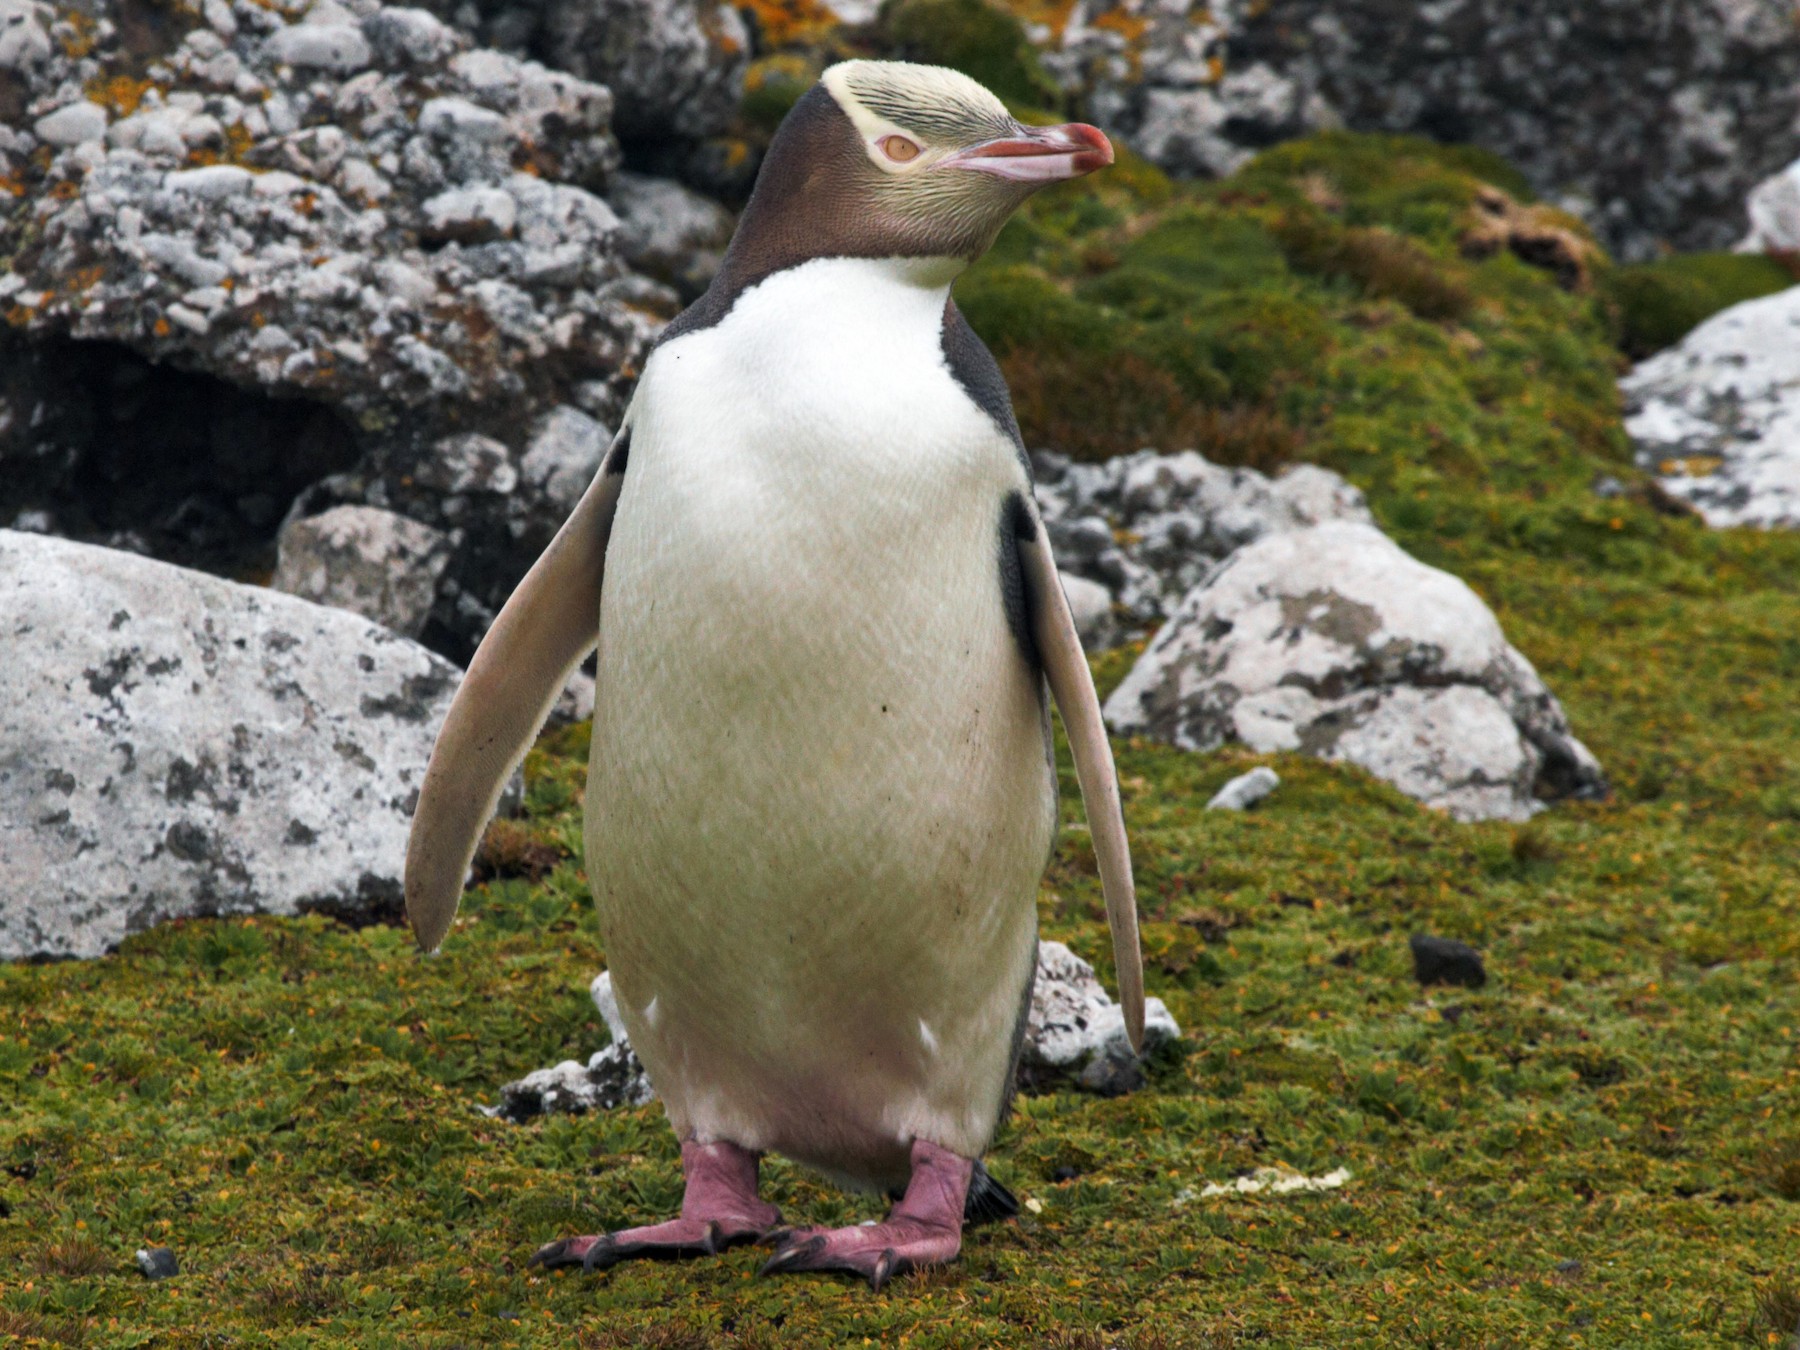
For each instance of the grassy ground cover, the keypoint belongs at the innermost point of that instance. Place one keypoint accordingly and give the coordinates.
(1597, 1148)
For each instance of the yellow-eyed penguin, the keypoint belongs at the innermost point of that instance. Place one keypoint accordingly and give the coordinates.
(820, 796)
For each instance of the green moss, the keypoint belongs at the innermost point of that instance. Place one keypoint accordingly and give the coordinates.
(983, 42)
(1657, 304)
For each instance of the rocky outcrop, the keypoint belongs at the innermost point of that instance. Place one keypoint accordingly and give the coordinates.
(1148, 527)
(676, 67)
(1333, 641)
(1717, 417)
(1649, 124)
(173, 745)
(342, 243)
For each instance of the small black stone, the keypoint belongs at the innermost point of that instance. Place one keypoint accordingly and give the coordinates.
(157, 1263)
(1063, 1174)
(1439, 960)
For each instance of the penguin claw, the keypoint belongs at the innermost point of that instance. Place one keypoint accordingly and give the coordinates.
(877, 1253)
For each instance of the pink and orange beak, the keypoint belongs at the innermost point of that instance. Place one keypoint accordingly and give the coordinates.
(1039, 154)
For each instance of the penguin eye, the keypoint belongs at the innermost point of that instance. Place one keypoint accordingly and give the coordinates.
(899, 149)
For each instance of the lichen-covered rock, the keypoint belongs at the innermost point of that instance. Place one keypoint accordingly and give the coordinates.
(1335, 642)
(1149, 526)
(173, 745)
(1652, 128)
(1717, 417)
(676, 67)
(1074, 1032)
(345, 206)
(366, 560)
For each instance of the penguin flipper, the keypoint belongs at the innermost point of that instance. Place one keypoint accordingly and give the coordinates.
(1072, 685)
(548, 626)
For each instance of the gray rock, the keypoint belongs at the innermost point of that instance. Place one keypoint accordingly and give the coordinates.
(1074, 1032)
(1333, 641)
(670, 232)
(1717, 417)
(1438, 960)
(563, 456)
(174, 746)
(1148, 527)
(366, 560)
(1653, 128)
(1246, 790)
(314, 250)
(1774, 210)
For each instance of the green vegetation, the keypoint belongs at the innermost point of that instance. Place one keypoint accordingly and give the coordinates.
(1598, 1148)
(1658, 303)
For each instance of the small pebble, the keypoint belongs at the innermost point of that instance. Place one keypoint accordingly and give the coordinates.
(1246, 790)
(157, 1263)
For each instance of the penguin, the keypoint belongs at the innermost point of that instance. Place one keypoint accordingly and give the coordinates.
(827, 629)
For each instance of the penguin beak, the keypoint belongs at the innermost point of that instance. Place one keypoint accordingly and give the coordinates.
(1039, 154)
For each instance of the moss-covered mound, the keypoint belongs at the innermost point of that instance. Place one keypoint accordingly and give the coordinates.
(1598, 1147)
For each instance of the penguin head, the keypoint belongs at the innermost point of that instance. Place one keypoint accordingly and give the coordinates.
(891, 159)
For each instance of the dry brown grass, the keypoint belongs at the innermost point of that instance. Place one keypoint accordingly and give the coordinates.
(509, 848)
(73, 1258)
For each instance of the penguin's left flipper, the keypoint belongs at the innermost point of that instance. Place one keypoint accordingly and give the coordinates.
(1072, 685)
(551, 622)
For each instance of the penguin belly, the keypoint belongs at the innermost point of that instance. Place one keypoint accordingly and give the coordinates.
(819, 798)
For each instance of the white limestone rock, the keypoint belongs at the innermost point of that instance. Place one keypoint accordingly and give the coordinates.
(1335, 642)
(1717, 416)
(173, 745)
(366, 560)
(1090, 604)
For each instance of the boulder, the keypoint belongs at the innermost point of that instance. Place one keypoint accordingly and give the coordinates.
(326, 242)
(1333, 641)
(1652, 130)
(1147, 527)
(366, 560)
(1717, 417)
(174, 746)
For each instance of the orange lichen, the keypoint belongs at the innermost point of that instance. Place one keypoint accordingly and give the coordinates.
(119, 94)
(786, 23)
(1131, 27)
(1051, 14)
(80, 38)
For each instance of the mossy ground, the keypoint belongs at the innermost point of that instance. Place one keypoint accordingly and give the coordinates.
(1598, 1148)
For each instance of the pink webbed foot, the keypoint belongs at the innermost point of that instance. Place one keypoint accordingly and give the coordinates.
(923, 1229)
(719, 1209)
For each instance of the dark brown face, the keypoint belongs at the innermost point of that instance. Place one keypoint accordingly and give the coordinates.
(884, 159)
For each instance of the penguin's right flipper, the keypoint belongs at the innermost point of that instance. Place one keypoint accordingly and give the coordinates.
(1072, 685)
(548, 626)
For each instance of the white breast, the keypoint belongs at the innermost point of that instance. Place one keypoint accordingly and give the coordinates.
(818, 805)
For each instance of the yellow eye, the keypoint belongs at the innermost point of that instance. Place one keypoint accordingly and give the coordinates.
(899, 149)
